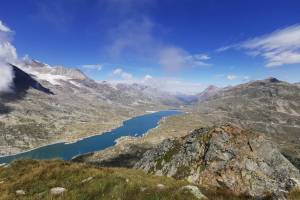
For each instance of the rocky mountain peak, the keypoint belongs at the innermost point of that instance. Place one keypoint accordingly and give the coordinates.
(272, 80)
(208, 92)
(34, 63)
(40, 69)
(23, 81)
(226, 157)
(211, 87)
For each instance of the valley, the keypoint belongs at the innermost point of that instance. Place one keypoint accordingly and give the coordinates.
(135, 127)
(63, 106)
(149, 100)
(77, 107)
(68, 106)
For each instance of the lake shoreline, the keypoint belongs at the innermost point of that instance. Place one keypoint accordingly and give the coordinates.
(86, 137)
(71, 141)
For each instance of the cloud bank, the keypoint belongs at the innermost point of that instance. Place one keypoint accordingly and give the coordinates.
(120, 73)
(4, 28)
(167, 84)
(6, 79)
(173, 85)
(174, 58)
(135, 36)
(97, 67)
(231, 77)
(278, 48)
(8, 53)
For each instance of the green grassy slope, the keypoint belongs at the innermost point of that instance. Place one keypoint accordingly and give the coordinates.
(36, 178)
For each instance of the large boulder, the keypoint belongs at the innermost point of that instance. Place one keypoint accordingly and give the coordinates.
(227, 157)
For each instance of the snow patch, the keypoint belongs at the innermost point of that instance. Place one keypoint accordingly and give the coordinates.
(53, 79)
(76, 84)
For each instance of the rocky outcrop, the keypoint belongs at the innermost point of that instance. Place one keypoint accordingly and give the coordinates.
(229, 158)
(57, 191)
(208, 92)
(20, 192)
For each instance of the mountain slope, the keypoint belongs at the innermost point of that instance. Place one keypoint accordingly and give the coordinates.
(269, 106)
(208, 92)
(51, 104)
(36, 179)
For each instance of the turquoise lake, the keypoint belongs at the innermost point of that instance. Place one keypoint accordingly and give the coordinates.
(136, 126)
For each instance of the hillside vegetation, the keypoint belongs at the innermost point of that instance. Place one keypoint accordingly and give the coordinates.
(36, 178)
(81, 181)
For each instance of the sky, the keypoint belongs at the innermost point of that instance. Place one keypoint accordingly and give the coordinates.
(182, 45)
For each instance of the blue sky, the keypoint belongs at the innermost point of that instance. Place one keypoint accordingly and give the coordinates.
(190, 43)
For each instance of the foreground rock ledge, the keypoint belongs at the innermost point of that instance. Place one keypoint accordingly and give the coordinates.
(228, 158)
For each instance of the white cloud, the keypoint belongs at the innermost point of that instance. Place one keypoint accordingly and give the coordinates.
(167, 84)
(126, 75)
(120, 73)
(4, 28)
(117, 71)
(278, 48)
(8, 53)
(6, 80)
(175, 86)
(225, 48)
(202, 56)
(125, 8)
(231, 77)
(133, 37)
(246, 78)
(97, 67)
(174, 58)
(137, 37)
(148, 77)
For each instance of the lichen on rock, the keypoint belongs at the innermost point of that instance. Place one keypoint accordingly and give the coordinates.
(226, 157)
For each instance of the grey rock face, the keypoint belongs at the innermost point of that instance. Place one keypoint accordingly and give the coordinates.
(228, 157)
